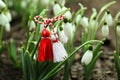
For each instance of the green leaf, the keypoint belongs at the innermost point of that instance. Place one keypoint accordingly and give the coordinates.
(12, 52)
(60, 64)
(97, 48)
(28, 67)
(105, 7)
(117, 64)
(43, 12)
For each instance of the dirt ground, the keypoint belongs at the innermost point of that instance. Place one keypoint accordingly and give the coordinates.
(104, 69)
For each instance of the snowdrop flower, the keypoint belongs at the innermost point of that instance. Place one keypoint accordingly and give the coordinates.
(45, 2)
(62, 2)
(2, 4)
(109, 19)
(87, 57)
(93, 24)
(7, 27)
(23, 4)
(118, 30)
(105, 30)
(56, 8)
(78, 18)
(84, 22)
(67, 28)
(8, 15)
(68, 14)
(3, 19)
(31, 24)
(62, 36)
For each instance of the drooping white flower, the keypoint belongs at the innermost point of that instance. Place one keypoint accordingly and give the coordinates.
(45, 2)
(3, 19)
(23, 4)
(56, 8)
(7, 27)
(78, 18)
(118, 30)
(67, 28)
(93, 24)
(2, 4)
(109, 19)
(87, 57)
(105, 30)
(68, 14)
(84, 22)
(31, 25)
(8, 15)
(62, 36)
(62, 2)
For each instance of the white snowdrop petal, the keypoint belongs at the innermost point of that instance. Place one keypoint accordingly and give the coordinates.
(109, 20)
(78, 18)
(87, 57)
(23, 4)
(8, 15)
(68, 15)
(2, 4)
(84, 22)
(67, 29)
(32, 25)
(62, 37)
(105, 30)
(62, 2)
(3, 19)
(45, 2)
(56, 9)
(7, 27)
(118, 30)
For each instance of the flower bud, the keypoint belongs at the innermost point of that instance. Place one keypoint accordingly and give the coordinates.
(62, 36)
(8, 15)
(31, 25)
(67, 28)
(68, 14)
(93, 24)
(84, 22)
(109, 19)
(3, 19)
(62, 2)
(56, 8)
(7, 27)
(45, 2)
(105, 30)
(118, 30)
(23, 4)
(78, 18)
(2, 4)
(87, 57)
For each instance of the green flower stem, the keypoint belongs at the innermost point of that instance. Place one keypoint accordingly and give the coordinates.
(88, 68)
(104, 8)
(100, 12)
(1, 33)
(60, 64)
(117, 64)
(116, 53)
(116, 37)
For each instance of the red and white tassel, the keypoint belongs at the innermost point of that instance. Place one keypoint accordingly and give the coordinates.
(45, 52)
(59, 52)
